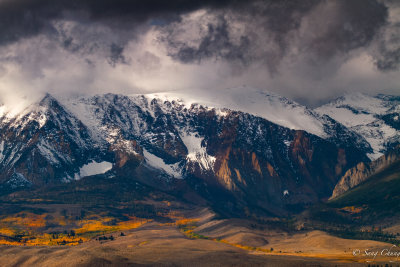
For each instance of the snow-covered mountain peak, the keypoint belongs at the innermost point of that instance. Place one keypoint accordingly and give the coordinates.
(363, 103)
(26, 110)
(373, 117)
(37, 109)
(12, 109)
(270, 106)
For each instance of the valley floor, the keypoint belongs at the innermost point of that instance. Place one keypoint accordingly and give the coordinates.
(74, 228)
(155, 245)
(228, 243)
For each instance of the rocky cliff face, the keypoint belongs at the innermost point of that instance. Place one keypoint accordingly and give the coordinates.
(270, 166)
(231, 158)
(362, 171)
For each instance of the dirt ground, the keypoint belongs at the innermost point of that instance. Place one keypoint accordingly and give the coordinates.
(229, 242)
(151, 245)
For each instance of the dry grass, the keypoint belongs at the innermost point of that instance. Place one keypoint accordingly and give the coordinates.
(153, 245)
(200, 233)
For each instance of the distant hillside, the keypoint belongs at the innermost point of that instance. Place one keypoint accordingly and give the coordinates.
(364, 171)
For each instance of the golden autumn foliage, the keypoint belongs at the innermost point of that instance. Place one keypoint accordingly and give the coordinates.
(28, 229)
(42, 239)
(7, 231)
(10, 243)
(26, 219)
(105, 225)
(186, 222)
(52, 240)
(352, 209)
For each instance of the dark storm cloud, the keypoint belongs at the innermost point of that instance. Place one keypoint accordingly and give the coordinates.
(116, 55)
(22, 18)
(353, 24)
(262, 18)
(216, 43)
(388, 48)
(322, 29)
(309, 50)
(389, 60)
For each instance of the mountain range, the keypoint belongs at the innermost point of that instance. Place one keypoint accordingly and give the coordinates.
(236, 150)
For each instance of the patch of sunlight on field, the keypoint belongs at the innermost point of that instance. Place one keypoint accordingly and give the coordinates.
(108, 225)
(26, 219)
(29, 229)
(188, 225)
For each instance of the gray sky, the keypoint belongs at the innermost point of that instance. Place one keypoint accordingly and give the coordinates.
(309, 50)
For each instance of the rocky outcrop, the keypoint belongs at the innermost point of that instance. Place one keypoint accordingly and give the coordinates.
(362, 171)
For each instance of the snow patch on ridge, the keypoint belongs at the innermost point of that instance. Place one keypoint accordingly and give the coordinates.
(196, 151)
(90, 115)
(93, 168)
(46, 151)
(18, 180)
(158, 163)
(287, 143)
(1, 150)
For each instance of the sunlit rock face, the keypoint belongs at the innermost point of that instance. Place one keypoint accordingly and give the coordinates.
(362, 171)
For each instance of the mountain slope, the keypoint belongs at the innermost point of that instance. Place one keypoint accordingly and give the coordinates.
(363, 172)
(376, 200)
(43, 144)
(233, 159)
(374, 118)
(228, 151)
